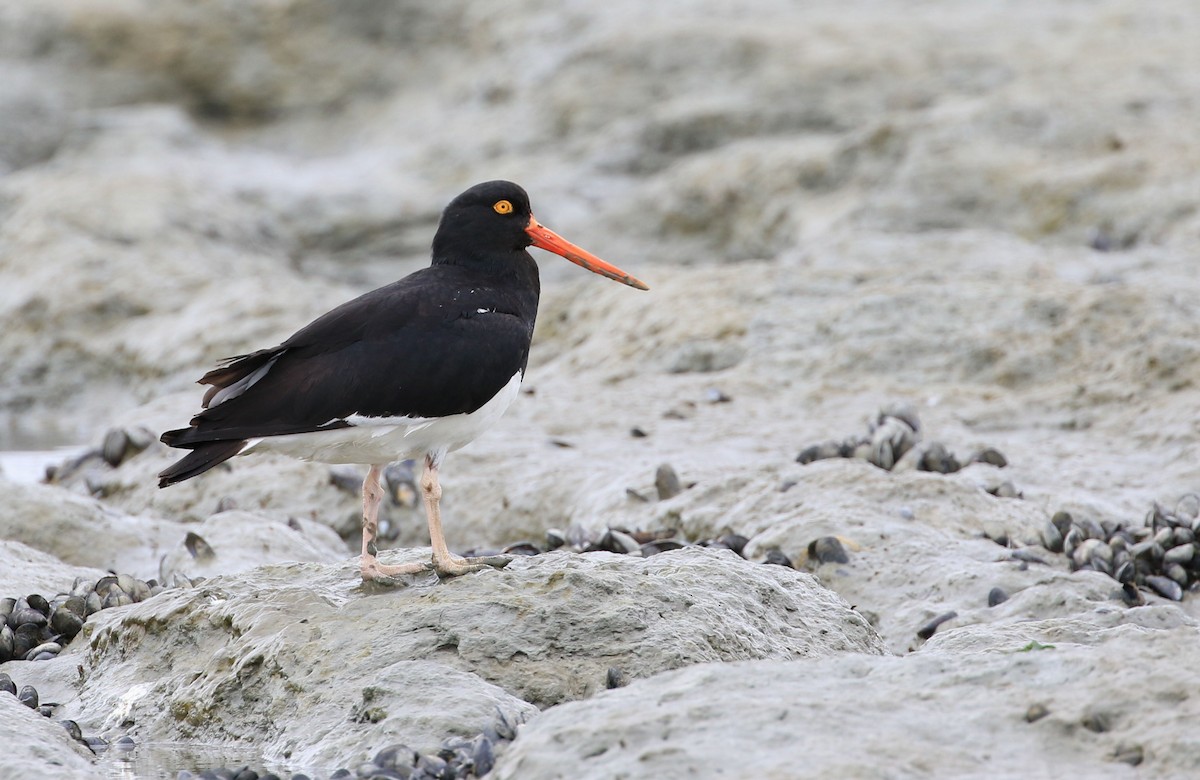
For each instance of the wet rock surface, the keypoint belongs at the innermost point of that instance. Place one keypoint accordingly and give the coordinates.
(736, 719)
(972, 226)
(432, 660)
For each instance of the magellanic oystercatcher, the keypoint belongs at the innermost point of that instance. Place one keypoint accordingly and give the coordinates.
(417, 368)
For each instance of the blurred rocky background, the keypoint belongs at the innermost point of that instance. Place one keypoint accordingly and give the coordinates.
(983, 217)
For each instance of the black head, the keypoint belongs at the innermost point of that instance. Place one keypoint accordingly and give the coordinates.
(486, 221)
(491, 225)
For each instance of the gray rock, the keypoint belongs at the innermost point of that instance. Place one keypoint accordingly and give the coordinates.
(753, 718)
(35, 746)
(55, 521)
(28, 570)
(243, 540)
(287, 635)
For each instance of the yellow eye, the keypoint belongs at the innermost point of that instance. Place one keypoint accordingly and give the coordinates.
(502, 207)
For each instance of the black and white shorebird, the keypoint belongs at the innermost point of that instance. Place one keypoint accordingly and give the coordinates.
(415, 369)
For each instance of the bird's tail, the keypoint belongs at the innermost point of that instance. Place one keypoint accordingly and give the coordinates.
(202, 458)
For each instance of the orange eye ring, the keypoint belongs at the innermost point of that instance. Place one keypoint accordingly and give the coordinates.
(502, 207)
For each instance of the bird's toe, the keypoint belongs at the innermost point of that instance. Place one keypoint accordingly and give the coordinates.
(456, 566)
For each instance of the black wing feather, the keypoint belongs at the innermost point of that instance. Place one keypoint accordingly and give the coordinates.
(418, 347)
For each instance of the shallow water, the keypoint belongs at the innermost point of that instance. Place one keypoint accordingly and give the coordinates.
(164, 761)
(30, 465)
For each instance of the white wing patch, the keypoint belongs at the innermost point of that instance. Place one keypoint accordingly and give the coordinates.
(243, 384)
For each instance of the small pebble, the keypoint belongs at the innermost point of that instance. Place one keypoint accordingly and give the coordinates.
(1131, 595)
(7, 685)
(811, 454)
(991, 456)
(928, 630)
(1097, 721)
(666, 482)
(38, 602)
(1181, 554)
(116, 447)
(1187, 508)
(828, 549)
(1035, 713)
(996, 596)
(198, 548)
(1026, 555)
(1165, 587)
(519, 548)
(76, 604)
(735, 542)
(64, 621)
(73, 729)
(27, 615)
(124, 742)
(638, 433)
(619, 542)
(714, 395)
(28, 696)
(25, 638)
(661, 545)
(1006, 489)
(938, 459)
(483, 755)
(615, 678)
(1052, 538)
(394, 756)
(1131, 754)
(555, 538)
(117, 598)
(44, 652)
(777, 558)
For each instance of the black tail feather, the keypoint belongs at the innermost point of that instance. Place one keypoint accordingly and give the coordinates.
(198, 461)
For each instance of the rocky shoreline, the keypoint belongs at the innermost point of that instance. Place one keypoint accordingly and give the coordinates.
(892, 473)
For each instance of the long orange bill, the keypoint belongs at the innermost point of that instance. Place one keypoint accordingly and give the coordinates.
(545, 238)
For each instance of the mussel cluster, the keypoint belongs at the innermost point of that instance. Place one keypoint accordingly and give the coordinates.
(35, 628)
(895, 431)
(1163, 554)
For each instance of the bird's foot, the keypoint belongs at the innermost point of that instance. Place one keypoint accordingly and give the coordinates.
(374, 571)
(455, 565)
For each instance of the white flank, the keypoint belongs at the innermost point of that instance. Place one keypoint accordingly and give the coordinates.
(383, 440)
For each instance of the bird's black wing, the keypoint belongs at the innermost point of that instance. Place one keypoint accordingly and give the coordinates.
(426, 346)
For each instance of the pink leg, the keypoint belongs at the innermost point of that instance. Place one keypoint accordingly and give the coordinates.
(444, 562)
(369, 566)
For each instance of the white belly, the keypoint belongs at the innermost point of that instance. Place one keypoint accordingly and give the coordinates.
(378, 441)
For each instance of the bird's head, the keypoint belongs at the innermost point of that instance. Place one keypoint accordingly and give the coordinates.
(495, 218)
